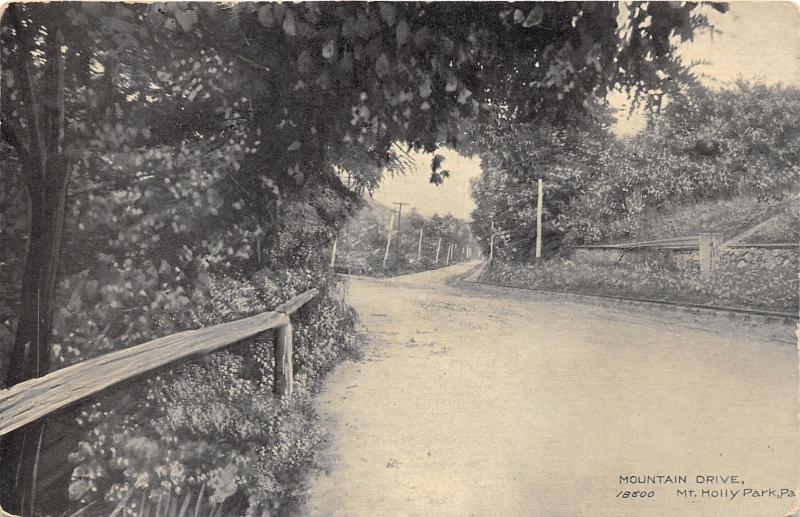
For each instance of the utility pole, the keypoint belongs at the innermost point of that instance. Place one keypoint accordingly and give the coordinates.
(419, 245)
(388, 240)
(491, 244)
(399, 215)
(438, 247)
(333, 253)
(539, 220)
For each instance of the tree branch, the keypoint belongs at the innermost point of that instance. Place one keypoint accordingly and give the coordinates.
(252, 64)
(116, 184)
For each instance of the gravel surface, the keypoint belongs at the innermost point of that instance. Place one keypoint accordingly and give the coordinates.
(478, 400)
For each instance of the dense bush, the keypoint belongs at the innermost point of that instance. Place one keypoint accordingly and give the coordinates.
(166, 255)
(566, 156)
(783, 227)
(755, 287)
(213, 423)
(743, 141)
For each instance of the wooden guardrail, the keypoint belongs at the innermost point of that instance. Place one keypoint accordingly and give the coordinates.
(33, 399)
(689, 242)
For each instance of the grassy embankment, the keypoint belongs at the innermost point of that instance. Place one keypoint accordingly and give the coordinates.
(769, 282)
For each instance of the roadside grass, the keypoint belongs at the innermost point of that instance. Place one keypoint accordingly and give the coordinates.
(753, 288)
(207, 437)
(784, 227)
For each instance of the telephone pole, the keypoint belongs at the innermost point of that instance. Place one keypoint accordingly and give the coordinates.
(538, 250)
(491, 244)
(399, 215)
(419, 245)
(388, 240)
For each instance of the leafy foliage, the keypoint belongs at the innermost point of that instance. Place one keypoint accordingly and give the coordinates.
(174, 150)
(514, 157)
(707, 145)
(755, 285)
(734, 146)
(214, 422)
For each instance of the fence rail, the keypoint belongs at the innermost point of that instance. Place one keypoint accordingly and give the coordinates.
(690, 242)
(765, 245)
(30, 400)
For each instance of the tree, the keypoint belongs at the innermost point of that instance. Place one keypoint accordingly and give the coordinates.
(60, 98)
(300, 86)
(706, 144)
(566, 155)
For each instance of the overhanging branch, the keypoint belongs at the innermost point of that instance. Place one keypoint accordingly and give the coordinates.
(252, 64)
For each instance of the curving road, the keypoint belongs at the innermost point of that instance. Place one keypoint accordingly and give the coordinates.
(484, 401)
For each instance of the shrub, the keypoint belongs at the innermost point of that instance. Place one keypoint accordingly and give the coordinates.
(755, 286)
(213, 423)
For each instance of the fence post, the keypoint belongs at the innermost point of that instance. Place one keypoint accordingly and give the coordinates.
(710, 244)
(284, 370)
(438, 247)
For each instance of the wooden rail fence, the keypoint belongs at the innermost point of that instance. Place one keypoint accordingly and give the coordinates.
(30, 400)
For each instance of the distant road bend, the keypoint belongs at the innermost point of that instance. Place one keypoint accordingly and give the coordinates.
(483, 401)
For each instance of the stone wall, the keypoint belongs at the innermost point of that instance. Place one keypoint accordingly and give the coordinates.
(761, 258)
(752, 257)
(673, 259)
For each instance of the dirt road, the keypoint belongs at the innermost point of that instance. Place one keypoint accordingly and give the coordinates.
(476, 400)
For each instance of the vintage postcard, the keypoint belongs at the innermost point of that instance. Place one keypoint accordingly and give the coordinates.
(367, 259)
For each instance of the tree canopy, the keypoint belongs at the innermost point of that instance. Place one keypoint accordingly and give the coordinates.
(156, 143)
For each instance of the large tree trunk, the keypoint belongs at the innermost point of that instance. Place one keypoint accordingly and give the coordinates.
(30, 356)
(46, 173)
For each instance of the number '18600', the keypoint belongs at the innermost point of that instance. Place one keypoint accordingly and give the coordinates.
(635, 494)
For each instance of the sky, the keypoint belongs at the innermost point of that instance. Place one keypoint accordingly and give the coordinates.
(757, 41)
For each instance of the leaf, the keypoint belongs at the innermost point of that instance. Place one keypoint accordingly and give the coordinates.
(305, 63)
(265, 16)
(329, 49)
(535, 17)
(519, 16)
(362, 26)
(452, 84)
(463, 96)
(186, 18)
(388, 13)
(294, 146)
(348, 27)
(324, 80)
(436, 162)
(280, 12)
(289, 25)
(402, 32)
(425, 90)
(346, 63)
(382, 66)
(422, 37)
